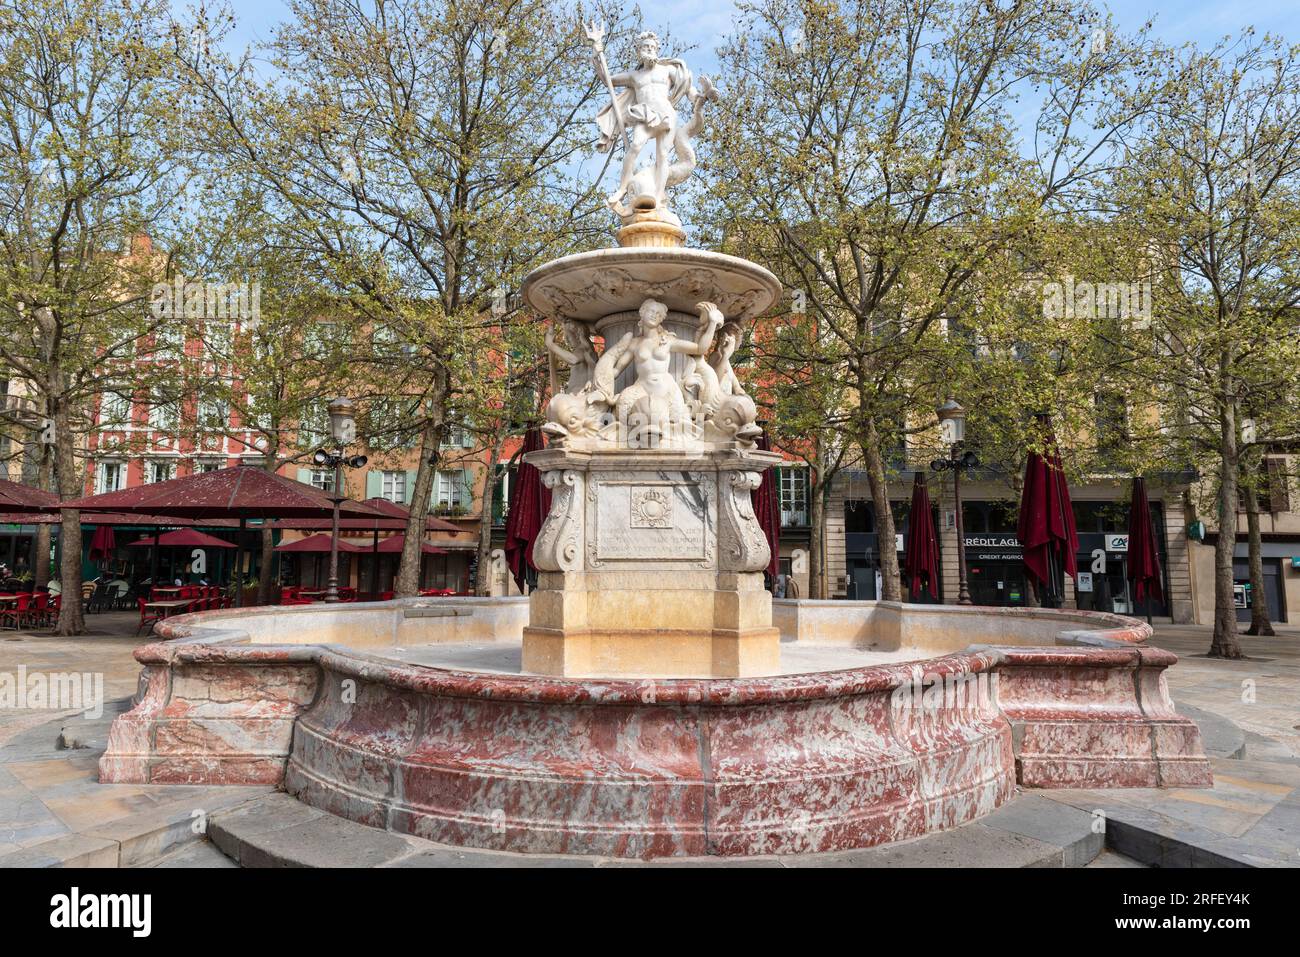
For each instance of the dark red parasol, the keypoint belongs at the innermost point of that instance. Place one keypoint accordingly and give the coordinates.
(921, 558)
(181, 538)
(530, 502)
(394, 543)
(244, 491)
(319, 542)
(1046, 525)
(767, 509)
(24, 498)
(1143, 559)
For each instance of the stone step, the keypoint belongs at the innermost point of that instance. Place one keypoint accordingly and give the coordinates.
(135, 840)
(280, 831)
(195, 854)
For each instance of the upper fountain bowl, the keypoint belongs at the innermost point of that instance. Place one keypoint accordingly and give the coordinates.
(590, 286)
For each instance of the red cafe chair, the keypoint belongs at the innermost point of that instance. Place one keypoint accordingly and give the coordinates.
(147, 617)
(14, 615)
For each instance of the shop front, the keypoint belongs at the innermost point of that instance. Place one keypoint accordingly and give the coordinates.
(995, 569)
(862, 554)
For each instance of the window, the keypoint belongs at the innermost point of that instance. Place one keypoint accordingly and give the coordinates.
(114, 409)
(218, 339)
(323, 479)
(164, 414)
(387, 424)
(451, 491)
(314, 426)
(169, 341)
(214, 413)
(394, 487)
(158, 471)
(794, 495)
(109, 477)
(207, 465)
(456, 435)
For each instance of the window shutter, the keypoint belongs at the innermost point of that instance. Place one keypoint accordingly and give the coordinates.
(304, 476)
(1279, 491)
(410, 488)
(465, 492)
(374, 483)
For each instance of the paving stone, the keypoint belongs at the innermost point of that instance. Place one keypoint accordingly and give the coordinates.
(149, 835)
(70, 850)
(1220, 736)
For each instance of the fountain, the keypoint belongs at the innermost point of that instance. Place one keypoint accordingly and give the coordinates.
(649, 698)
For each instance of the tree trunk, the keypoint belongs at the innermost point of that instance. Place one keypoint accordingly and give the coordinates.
(71, 613)
(817, 538)
(41, 547)
(1031, 594)
(891, 588)
(407, 584)
(1225, 644)
(486, 576)
(1259, 623)
(265, 583)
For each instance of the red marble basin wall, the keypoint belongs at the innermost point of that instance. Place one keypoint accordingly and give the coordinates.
(803, 763)
(210, 715)
(1097, 717)
(651, 769)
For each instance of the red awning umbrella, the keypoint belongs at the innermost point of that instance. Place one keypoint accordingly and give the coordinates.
(103, 542)
(530, 502)
(1143, 559)
(390, 517)
(24, 498)
(394, 543)
(767, 509)
(244, 491)
(181, 538)
(921, 558)
(318, 543)
(96, 519)
(1046, 526)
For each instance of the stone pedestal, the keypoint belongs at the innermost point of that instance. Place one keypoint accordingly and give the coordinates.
(651, 565)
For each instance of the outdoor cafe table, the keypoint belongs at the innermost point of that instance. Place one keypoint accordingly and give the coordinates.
(168, 590)
(312, 594)
(169, 607)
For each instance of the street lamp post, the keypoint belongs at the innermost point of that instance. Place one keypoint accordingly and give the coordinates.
(343, 430)
(952, 430)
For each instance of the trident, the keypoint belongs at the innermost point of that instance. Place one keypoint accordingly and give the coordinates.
(596, 34)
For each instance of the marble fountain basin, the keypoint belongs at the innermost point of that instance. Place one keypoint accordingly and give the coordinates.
(885, 721)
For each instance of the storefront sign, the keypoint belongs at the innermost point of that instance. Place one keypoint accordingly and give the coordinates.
(992, 548)
(993, 541)
(1117, 543)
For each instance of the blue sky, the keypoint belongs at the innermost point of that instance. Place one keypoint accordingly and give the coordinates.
(703, 23)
